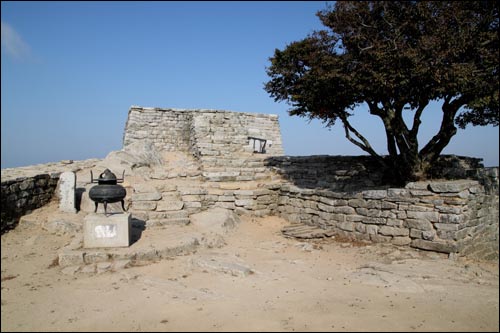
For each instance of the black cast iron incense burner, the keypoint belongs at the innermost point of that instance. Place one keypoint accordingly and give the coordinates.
(107, 190)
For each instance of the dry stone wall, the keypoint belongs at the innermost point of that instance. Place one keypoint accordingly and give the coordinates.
(220, 140)
(339, 173)
(27, 188)
(442, 216)
(167, 129)
(342, 194)
(24, 194)
(202, 132)
(346, 195)
(219, 133)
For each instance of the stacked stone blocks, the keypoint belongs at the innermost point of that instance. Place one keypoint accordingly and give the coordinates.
(343, 194)
(218, 139)
(449, 216)
(23, 194)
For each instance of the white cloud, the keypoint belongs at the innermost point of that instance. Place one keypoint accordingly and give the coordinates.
(13, 44)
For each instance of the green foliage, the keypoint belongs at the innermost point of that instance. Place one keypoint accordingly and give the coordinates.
(396, 57)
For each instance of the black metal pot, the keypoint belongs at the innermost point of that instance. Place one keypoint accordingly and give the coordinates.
(107, 190)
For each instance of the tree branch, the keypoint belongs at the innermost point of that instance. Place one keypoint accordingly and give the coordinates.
(416, 119)
(447, 130)
(363, 143)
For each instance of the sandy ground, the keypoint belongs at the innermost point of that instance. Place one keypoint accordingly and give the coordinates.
(322, 285)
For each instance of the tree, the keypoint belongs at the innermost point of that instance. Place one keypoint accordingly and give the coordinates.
(395, 57)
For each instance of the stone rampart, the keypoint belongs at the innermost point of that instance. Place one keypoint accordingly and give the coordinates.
(202, 132)
(167, 129)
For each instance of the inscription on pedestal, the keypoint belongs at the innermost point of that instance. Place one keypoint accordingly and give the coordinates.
(106, 231)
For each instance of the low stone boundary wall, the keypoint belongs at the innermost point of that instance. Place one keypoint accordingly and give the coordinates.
(22, 195)
(340, 173)
(27, 188)
(451, 216)
(170, 204)
(447, 216)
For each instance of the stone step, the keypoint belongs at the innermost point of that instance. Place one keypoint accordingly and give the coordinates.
(221, 176)
(237, 169)
(151, 244)
(245, 157)
(235, 160)
(179, 214)
(164, 222)
(300, 230)
(171, 205)
(154, 244)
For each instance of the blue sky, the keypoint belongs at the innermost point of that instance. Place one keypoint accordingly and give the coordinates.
(71, 70)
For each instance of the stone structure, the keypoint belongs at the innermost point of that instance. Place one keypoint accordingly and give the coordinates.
(203, 132)
(343, 195)
(27, 188)
(442, 216)
(66, 192)
(220, 140)
(21, 195)
(346, 195)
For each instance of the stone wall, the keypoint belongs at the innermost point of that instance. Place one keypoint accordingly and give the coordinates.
(27, 188)
(443, 216)
(346, 194)
(339, 173)
(342, 194)
(219, 133)
(202, 132)
(167, 129)
(173, 204)
(22, 195)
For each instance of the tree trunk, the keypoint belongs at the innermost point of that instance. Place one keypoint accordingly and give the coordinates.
(430, 153)
(405, 163)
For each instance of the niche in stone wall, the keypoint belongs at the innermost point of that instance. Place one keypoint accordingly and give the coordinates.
(258, 144)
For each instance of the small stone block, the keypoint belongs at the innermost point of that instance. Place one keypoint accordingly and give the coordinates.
(107, 231)
(70, 258)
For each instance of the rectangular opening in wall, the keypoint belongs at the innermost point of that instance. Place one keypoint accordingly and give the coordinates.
(258, 144)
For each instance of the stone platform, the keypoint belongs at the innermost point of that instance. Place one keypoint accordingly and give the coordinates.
(149, 244)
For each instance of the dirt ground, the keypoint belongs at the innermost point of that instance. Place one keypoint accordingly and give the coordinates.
(277, 284)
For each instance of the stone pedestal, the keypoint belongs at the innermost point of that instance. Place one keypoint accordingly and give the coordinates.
(107, 231)
(66, 192)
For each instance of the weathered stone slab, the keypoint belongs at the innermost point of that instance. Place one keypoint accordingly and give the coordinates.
(169, 205)
(232, 268)
(391, 231)
(149, 196)
(60, 225)
(446, 247)
(300, 230)
(243, 202)
(418, 224)
(70, 258)
(106, 231)
(374, 194)
(452, 186)
(66, 192)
